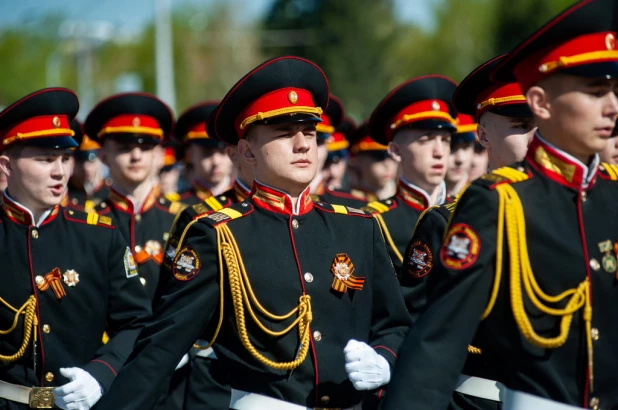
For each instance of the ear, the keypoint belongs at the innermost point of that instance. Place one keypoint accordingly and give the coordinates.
(538, 100)
(5, 165)
(482, 133)
(394, 150)
(246, 152)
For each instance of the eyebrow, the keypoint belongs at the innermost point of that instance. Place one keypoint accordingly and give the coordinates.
(600, 82)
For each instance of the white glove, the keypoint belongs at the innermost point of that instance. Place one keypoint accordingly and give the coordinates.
(366, 369)
(183, 361)
(81, 393)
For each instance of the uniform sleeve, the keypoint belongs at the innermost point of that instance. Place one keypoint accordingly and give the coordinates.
(422, 259)
(434, 351)
(184, 309)
(390, 321)
(128, 309)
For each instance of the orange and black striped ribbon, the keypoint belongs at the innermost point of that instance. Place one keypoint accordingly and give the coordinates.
(52, 279)
(343, 269)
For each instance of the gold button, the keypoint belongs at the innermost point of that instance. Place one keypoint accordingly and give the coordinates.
(161, 201)
(324, 399)
(49, 377)
(46, 329)
(138, 249)
(35, 234)
(138, 218)
(74, 201)
(389, 202)
(294, 224)
(308, 277)
(103, 205)
(39, 280)
(594, 264)
(71, 212)
(594, 403)
(143, 281)
(317, 336)
(224, 198)
(584, 196)
(594, 333)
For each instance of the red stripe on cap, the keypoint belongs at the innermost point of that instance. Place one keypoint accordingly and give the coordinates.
(418, 111)
(581, 50)
(497, 96)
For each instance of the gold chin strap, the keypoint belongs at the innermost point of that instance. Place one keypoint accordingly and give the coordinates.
(510, 210)
(243, 299)
(28, 309)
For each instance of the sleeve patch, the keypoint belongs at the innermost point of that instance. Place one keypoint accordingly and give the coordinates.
(461, 247)
(186, 265)
(130, 267)
(419, 259)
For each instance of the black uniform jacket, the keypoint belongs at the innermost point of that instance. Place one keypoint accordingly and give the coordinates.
(77, 198)
(79, 270)
(287, 253)
(397, 217)
(569, 235)
(145, 229)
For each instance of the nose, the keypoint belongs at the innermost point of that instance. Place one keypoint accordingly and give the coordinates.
(612, 106)
(439, 147)
(301, 142)
(60, 168)
(136, 153)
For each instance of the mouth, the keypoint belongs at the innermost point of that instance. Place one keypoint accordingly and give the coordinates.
(605, 132)
(302, 163)
(57, 189)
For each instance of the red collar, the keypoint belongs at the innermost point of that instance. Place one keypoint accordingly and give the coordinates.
(240, 191)
(124, 204)
(559, 166)
(412, 195)
(278, 201)
(21, 215)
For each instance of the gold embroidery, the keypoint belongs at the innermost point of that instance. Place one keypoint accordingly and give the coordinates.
(554, 164)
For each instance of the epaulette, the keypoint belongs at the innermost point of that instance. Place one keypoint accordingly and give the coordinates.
(171, 207)
(172, 196)
(341, 209)
(504, 175)
(446, 210)
(315, 198)
(225, 215)
(379, 207)
(608, 171)
(89, 218)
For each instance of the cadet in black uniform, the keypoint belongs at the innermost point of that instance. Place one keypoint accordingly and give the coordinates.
(130, 128)
(66, 275)
(476, 95)
(87, 187)
(211, 164)
(298, 296)
(416, 120)
(338, 147)
(548, 307)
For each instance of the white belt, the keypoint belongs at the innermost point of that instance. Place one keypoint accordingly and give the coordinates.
(242, 400)
(479, 387)
(206, 353)
(516, 400)
(35, 397)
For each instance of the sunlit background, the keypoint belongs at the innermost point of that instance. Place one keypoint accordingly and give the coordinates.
(187, 51)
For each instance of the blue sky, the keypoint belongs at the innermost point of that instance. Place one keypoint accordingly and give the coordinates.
(133, 14)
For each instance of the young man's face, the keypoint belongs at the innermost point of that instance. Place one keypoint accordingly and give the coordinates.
(578, 112)
(212, 165)
(460, 162)
(37, 177)
(87, 172)
(131, 163)
(480, 163)
(335, 171)
(423, 155)
(282, 155)
(506, 139)
(376, 172)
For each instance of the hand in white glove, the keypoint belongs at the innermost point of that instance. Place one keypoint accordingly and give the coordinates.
(81, 393)
(183, 361)
(366, 369)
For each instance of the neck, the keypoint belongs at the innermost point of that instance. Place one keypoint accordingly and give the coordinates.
(454, 187)
(138, 192)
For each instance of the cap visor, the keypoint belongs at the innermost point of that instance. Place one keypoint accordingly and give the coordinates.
(432, 125)
(463, 137)
(208, 143)
(282, 119)
(139, 139)
(512, 110)
(51, 142)
(85, 156)
(607, 70)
